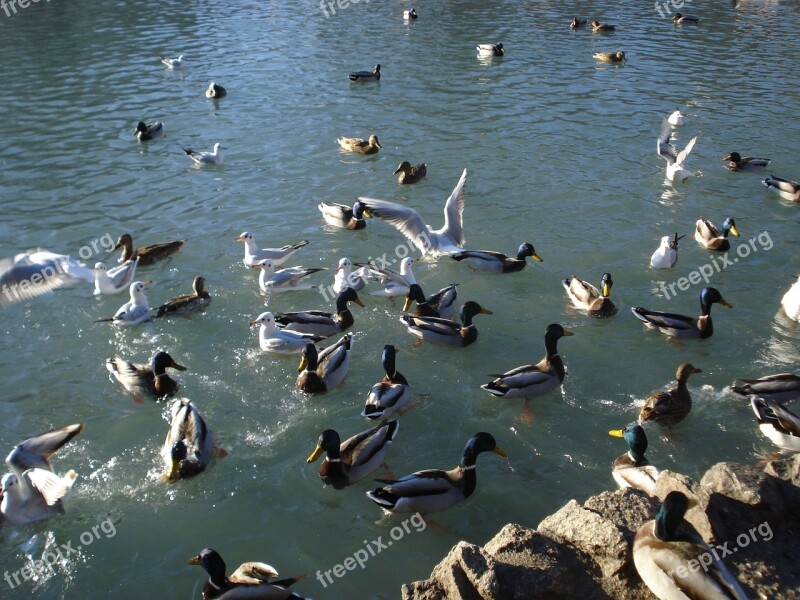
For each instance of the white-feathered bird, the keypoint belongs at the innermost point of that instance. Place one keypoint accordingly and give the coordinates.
(281, 341)
(788, 190)
(174, 63)
(283, 280)
(345, 277)
(791, 301)
(676, 169)
(253, 254)
(676, 118)
(31, 274)
(395, 283)
(666, 255)
(135, 311)
(114, 280)
(206, 158)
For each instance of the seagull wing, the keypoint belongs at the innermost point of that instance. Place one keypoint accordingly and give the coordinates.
(663, 147)
(454, 213)
(406, 220)
(685, 152)
(34, 452)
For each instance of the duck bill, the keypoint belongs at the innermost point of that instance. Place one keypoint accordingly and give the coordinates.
(367, 214)
(734, 231)
(568, 333)
(725, 303)
(175, 365)
(315, 454)
(406, 304)
(398, 170)
(536, 257)
(174, 472)
(605, 291)
(486, 311)
(615, 433)
(727, 157)
(195, 560)
(358, 301)
(303, 364)
(499, 451)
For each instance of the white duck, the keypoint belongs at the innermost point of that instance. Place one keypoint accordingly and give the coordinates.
(206, 158)
(676, 169)
(395, 283)
(113, 281)
(283, 280)
(791, 301)
(135, 310)
(278, 256)
(345, 277)
(666, 255)
(281, 341)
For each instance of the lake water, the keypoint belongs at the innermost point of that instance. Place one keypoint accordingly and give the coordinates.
(560, 152)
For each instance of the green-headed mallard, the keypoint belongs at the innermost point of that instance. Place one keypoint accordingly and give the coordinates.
(747, 163)
(359, 146)
(782, 387)
(777, 422)
(253, 254)
(533, 380)
(610, 57)
(441, 304)
(251, 581)
(632, 469)
(670, 407)
(216, 91)
(680, 19)
(587, 297)
(350, 461)
(434, 490)
(365, 76)
(391, 393)
(490, 50)
(317, 322)
(150, 379)
(147, 255)
(189, 444)
(341, 215)
(199, 298)
(445, 331)
(410, 15)
(409, 173)
(598, 26)
(666, 255)
(487, 260)
(322, 371)
(282, 280)
(681, 325)
(576, 23)
(664, 559)
(145, 132)
(709, 237)
(788, 190)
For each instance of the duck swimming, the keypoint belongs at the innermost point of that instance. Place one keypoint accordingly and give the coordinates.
(632, 469)
(410, 174)
(359, 146)
(323, 371)
(341, 215)
(150, 379)
(610, 57)
(189, 444)
(708, 236)
(670, 407)
(441, 304)
(777, 423)
(748, 163)
(198, 299)
(364, 76)
(215, 91)
(681, 325)
(781, 387)
(587, 297)
(597, 26)
(490, 50)
(391, 393)
(444, 331)
(145, 132)
(487, 260)
(317, 322)
(147, 255)
(788, 190)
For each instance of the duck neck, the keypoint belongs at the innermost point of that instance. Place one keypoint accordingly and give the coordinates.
(345, 318)
(470, 477)
(554, 358)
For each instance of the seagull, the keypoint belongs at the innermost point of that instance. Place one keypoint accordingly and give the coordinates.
(676, 118)
(676, 171)
(216, 91)
(278, 256)
(345, 277)
(134, 311)
(145, 132)
(395, 283)
(281, 341)
(32, 491)
(447, 240)
(174, 63)
(666, 255)
(31, 274)
(283, 280)
(206, 158)
(113, 281)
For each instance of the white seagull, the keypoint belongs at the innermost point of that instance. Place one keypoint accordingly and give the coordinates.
(253, 254)
(281, 341)
(135, 310)
(114, 280)
(676, 171)
(31, 274)
(174, 63)
(345, 277)
(283, 280)
(206, 158)
(666, 255)
(676, 118)
(395, 283)
(433, 242)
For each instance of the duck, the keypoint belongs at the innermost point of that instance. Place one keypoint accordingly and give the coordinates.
(352, 460)
(435, 490)
(659, 551)
(359, 146)
(147, 255)
(323, 371)
(343, 216)
(409, 15)
(391, 393)
(174, 63)
(189, 444)
(587, 297)
(748, 163)
(441, 304)
(676, 169)
(528, 381)
(114, 280)
(198, 299)
(133, 312)
(632, 469)
(321, 323)
(791, 301)
(395, 283)
(680, 19)
(364, 76)
(781, 387)
(430, 242)
(676, 118)
(216, 91)
(670, 407)
(283, 280)
(576, 23)
(610, 57)
(777, 423)
(31, 274)
(708, 236)
(666, 255)
(788, 190)
(683, 326)
(251, 580)
(487, 260)
(206, 158)
(445, 331)
(410, 174)
(32, 491)
(145, 132)
(150, 379)
(490, 50)
(598, 26)
(253, 254)
(345, 276)
(281, 341)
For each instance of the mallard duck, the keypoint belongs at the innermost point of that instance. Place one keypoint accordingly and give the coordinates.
(317, 322)
(777, 422)
(587, 297)
(133, 312)
(487, 260)
(441, 304)
(282, 280)
(341, 215)
(444, 331)
(206, 158)
(395, 283)
(189, 444)
(216, 91)
(610, 57)
(114, 280)
(391, 393)
(147, 255)
(174, 63)
(788, 190)
(359, 146)
(598, 26)
(409, 15)
(447, 240)
(680, 19)
(278, 256)
(345, 276)
(676, 118)
(30, 274)
(533, 380)
(681, 325)
(632, 469)
(199, 298)
(323, 371)
(708, 236)
(748, 163)
(281, 341)
(666, 255)
(249, 581)
(676, 170)
(791, 301)
(670, 407)
(664, 558)
(355, 458)
(490, 50)
(576, 23)
(364, 76)
(145, 132)
(150, 379)
(32, 492)
(781, 387)
(434, 490)
(409, 173)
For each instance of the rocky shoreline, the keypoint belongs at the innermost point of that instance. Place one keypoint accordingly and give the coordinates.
(749, 515)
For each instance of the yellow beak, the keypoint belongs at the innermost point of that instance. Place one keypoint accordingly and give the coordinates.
(568, 333)
(486, 311)
(605, 290)
(734, 231)
(536, 257)
(195, 560)
(303, 364)
(725, 303)
(406, 304)
(615, 433)
(315, 454)
(499, 451)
